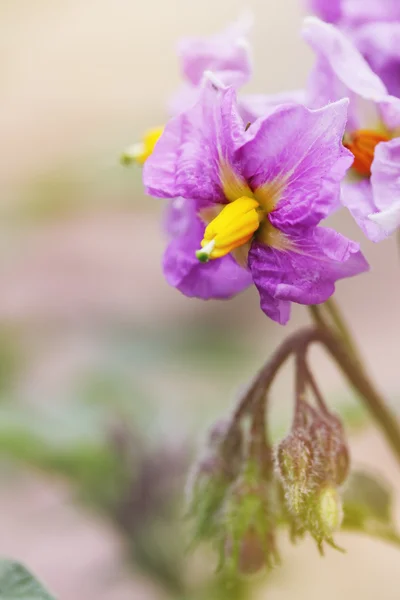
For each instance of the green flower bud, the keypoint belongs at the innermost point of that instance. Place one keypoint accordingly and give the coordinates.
(330, 511)
(211, 478)
(247, 525)
(295, 465)
(330, 450)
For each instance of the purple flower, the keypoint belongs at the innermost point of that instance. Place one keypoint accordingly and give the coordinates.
(254, 197)
(225, 54)
(373, 193)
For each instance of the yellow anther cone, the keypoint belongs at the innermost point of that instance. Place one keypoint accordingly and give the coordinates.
(141, 151)
(233, 227)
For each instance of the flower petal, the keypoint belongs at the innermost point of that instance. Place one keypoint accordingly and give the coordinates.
(308, 275)
(342, 71)
(219, 278)
(360, 11)
(328, 10)
(358, 198)
(379, 43)
(344, 59)
(178, 216)
(298, 154)
(227, 51)
(188, 158)
(385, 182)
(253, 106)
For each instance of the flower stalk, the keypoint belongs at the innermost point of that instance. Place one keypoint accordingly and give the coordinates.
(298, 344)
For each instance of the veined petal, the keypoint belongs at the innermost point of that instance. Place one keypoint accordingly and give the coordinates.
(194, 158)
(308, 275)
(220, 278)
(294, 160)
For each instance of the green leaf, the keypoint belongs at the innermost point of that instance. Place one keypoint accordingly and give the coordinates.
(16, 583)
(367, 506)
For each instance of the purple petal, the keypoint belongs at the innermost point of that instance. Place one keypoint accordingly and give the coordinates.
(183, 99)
(225, 51)
(178, 216)
(188, 157)
(385, 182)
(379, 43)
(254, 106)
(308, 275)
(328, 10)
(219, 278)
(360, 11)
(358, 198)
(342, 71)
(301, 151)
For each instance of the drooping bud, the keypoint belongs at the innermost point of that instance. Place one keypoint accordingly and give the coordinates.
(247, 524)
(312, 461)
(324, 515)
(330, 511)
(330, 449)
(211, 477)
(295, 465)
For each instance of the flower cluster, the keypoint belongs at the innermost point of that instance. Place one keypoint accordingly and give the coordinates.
(243, 491)
(312, 462)
(250, 178)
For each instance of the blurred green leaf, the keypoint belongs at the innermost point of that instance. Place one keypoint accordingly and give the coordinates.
(367, 505)
(86, 457)
(16, 583)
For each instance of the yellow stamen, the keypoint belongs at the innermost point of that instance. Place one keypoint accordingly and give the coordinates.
(362, 144)
(141, 151)
(233, 227)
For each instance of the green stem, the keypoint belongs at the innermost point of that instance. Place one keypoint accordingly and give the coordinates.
(338, 320)
(297, 344)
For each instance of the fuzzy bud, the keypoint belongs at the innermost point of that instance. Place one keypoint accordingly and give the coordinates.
(311, 462)
(330, 511)
(294, 462)
(330, 448)
(247, 525)
(212, 476)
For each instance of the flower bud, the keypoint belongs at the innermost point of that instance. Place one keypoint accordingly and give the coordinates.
(330, 450)
(212, 476)
(330, 511)
(247, 527)
(295, 465)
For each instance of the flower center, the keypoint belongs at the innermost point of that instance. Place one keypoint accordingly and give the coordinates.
(141, 151)
(362, 144)
(233, 227)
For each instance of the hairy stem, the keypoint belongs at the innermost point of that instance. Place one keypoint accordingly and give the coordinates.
(298, 344)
